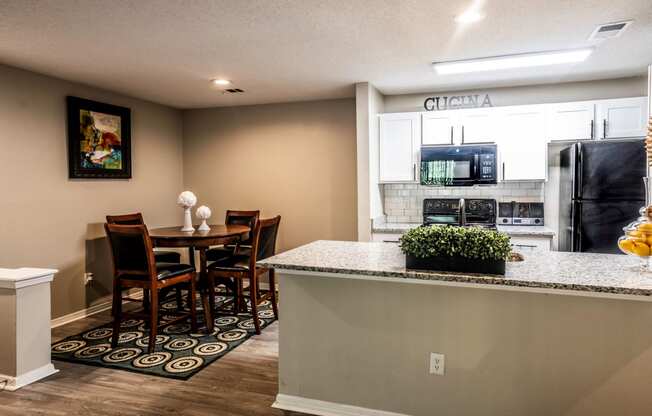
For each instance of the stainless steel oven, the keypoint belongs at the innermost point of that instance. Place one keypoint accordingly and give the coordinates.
(458, 165)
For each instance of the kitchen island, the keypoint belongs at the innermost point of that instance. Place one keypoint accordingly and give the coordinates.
(560, 334)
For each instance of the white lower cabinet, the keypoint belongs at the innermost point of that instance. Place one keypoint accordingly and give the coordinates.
(385, 237)
(531, 243)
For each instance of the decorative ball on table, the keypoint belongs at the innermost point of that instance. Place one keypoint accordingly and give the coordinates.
(187, 200)
(203, 213)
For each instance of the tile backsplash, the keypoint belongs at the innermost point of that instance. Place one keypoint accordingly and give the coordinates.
(404, 202)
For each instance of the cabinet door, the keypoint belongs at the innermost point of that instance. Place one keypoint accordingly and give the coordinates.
(399, 147)
(522, 145)
(570, 121)
(626, 117)
(438, 127)
(478, 126)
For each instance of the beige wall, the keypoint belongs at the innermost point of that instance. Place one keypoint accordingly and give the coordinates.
(51, 221)
(533, 94)
(507, 353)
(297, 160)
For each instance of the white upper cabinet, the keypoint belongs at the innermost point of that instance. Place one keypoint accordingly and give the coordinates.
(522, 144)
(438, 127)
(570, 121)
(399, 148)
(622, 118)
(478, 125)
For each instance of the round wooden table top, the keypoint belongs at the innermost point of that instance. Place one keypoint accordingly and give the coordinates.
(218, 234)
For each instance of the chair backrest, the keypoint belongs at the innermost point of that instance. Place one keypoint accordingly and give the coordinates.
(127, 219)
(131, 250)
(247, 218)
(267, 240)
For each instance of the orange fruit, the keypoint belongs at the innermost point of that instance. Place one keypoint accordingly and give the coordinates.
(645, 227)
(641, 249)
(626, 245)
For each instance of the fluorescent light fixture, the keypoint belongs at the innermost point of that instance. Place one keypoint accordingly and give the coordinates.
(221, 82)
(525, 60)
(469, 16)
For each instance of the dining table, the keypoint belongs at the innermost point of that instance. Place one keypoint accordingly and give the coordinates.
(200, 241)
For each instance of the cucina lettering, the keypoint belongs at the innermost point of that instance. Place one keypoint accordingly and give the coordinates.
(456, 101)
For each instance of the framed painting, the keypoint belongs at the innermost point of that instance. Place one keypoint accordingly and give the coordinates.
(99, 140)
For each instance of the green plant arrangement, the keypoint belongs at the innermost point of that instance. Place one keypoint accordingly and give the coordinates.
(448, 248)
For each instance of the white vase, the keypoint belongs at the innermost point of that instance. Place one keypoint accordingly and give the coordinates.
(187, 220)
(203, 226)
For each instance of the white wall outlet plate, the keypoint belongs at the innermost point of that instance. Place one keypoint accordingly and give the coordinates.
(437, 363)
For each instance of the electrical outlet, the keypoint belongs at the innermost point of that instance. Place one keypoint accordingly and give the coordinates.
(88, 278)
(437, 363)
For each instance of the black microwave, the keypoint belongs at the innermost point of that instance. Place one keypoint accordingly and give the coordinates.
(459, 165)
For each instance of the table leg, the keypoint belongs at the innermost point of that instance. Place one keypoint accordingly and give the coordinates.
(207, 289)
(191, 255)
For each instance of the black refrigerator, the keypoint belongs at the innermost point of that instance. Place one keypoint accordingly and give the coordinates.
(601, 190)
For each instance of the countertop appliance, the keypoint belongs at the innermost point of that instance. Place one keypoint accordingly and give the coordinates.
(520, 213)
(460, 211)
(600, 191)
(459, 165)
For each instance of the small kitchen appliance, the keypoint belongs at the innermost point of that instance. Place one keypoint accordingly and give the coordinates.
(459, 165)
(520, 213)
(460, 211)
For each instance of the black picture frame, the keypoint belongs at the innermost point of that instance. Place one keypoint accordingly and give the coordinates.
(112, 147)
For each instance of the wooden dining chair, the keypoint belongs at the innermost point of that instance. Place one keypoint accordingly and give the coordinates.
(243, 266)
(234, 217)
(159, 255)
(134, 265)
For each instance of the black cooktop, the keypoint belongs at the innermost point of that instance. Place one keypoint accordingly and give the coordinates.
(479, 212)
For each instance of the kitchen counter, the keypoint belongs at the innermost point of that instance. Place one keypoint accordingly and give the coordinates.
(561, 333)
(512, 230)
(580, 273)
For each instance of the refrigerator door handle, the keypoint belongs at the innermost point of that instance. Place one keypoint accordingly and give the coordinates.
(579, 173)
(579, 227)
(604, 128)
(592, 129)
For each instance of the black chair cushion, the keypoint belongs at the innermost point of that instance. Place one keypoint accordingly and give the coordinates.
(238, 262)
(219, 253)
(167, 270)
(167, 257)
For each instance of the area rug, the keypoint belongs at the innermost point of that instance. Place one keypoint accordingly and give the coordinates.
(179, 353)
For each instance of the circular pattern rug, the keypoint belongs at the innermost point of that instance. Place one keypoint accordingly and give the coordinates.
(179, 353)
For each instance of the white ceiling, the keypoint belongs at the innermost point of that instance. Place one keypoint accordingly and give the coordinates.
(287, 50)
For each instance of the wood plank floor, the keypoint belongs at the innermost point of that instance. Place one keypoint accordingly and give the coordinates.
(243, 383)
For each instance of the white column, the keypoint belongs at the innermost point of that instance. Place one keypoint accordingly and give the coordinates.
(25, 326)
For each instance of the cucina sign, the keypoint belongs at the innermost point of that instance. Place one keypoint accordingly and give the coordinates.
(456, 101)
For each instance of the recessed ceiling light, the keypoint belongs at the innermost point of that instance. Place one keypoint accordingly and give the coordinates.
(221, 82)
(469, 16)
(512, 61)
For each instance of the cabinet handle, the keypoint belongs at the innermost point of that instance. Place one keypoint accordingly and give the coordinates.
(462, 134)
(451, 134)
(604, 128)
(503, 170)
(592, 130)
(414, 172)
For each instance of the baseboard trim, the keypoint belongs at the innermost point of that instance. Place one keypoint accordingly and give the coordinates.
(104, 306)
(322, 408)
(14, 383)
(95, 309)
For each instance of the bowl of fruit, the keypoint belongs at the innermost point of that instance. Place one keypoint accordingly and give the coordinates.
(637, 238)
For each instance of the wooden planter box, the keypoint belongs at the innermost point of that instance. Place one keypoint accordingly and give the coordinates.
(456, 264)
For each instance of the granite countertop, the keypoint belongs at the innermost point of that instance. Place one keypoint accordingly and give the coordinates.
(513, 230)
(592, 274)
